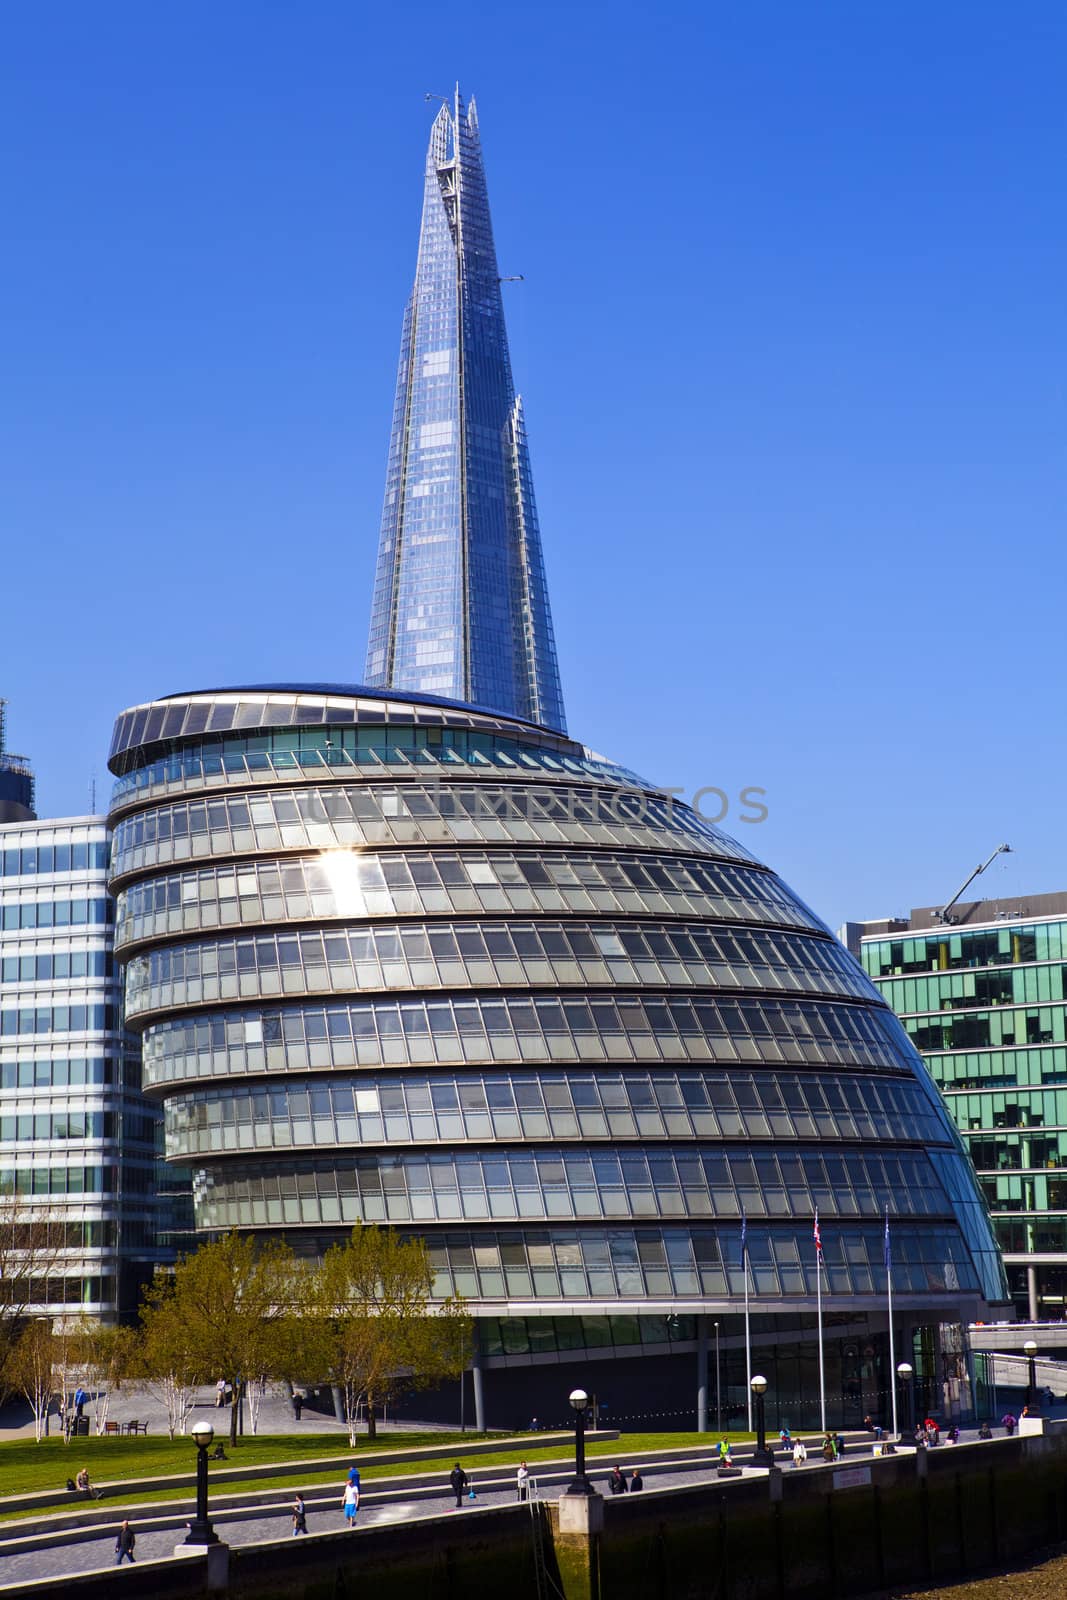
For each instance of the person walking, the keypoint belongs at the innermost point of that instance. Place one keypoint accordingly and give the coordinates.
(124, 1545)
(350, 1504)
(459, 1480)
(298, 1403)
(617, 1483)
(800, 1454)
(220, 1393)
(522, 1481)
(636, 1481)
(300, 1515)
(1008, 1423)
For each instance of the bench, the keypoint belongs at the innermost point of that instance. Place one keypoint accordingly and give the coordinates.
(137, 1427)
(112, 1427)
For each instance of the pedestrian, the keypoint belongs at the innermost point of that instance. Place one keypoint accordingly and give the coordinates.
(459, 1480)
(725, 1458)
(636, 1481)
(300, 1515)
(800, 1454)
(350, 1504)
(80, 1398)
(953, 1435)
(984, 1431)
(839, 1445)
(220, 1392)
(298, 1403)
(828, 1453)
(1007, 1422)
(785, 1438)
(124, 1545)
(534, 1424)
(522, 1480)
(617, 1483)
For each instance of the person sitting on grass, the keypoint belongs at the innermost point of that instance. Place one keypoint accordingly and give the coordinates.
(82, 1484)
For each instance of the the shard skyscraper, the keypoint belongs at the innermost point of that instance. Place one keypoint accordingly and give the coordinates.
(460, 603)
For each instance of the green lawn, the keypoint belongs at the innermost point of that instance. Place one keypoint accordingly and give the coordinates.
(25, 1465)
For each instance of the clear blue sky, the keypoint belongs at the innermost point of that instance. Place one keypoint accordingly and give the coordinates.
(791, 339)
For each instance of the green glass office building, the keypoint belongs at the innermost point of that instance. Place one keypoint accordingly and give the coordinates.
(984, 998)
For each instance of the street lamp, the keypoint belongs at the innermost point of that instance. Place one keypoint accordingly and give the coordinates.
(1030, 1352)
(580, 1483)
(761, 1456)
(905, 1372)
(200, 1529)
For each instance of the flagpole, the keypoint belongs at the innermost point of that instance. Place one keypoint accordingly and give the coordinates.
(748, 1349)
(819, 1311)
(892, 1352)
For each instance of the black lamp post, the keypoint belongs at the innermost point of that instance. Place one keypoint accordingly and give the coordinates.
(1030, 1351)
(580, 1483)
(905, 1372)
(200, 1529)
(761, 1456)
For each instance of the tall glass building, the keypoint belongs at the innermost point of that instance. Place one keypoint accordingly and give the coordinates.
(398, 959)
(984, 998)
(408, 954)
(77, 1141)
(460, 603)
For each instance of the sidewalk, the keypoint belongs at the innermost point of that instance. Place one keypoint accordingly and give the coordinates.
(136, 1401)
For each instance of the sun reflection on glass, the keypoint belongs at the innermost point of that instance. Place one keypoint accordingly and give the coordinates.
(341, 869)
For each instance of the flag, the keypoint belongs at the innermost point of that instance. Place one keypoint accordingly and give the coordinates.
(886, 1253)
(744, 1238)
(818, 1236)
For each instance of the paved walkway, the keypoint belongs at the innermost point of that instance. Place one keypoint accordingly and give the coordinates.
(276, 1415)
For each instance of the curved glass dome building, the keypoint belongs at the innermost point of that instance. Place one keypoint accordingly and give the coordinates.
(399, 959)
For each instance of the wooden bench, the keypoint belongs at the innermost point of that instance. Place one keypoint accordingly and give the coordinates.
(137, 1427)
(112, 1427)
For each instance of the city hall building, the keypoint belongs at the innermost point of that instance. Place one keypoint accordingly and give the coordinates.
(407, 953)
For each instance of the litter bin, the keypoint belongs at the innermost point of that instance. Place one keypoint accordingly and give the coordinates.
(81, 1427)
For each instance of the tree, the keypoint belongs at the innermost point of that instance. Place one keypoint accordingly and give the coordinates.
(32, 1249)
(30, 1369)
(371, 1325)
(167, 1359)
(228, 1311)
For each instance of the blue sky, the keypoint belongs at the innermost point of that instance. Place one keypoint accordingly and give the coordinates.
(791, 339)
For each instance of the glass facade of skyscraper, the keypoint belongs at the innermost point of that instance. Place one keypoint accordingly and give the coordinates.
(460, 602)
(984, 999)
(395, 959)
(77, 1141)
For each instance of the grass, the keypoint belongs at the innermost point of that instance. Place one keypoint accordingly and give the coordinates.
(25, 1466)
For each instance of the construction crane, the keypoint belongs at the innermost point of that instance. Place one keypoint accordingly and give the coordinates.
(943, 914)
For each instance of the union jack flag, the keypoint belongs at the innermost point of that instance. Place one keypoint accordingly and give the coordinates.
(818, 1236)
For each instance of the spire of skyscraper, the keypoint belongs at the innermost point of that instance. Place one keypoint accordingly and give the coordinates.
(460, 602)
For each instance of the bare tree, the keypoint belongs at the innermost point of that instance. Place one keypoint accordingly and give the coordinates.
(34, 1247)
(30, 1363)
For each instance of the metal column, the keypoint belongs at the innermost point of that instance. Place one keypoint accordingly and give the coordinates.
(702, 1374)
(476, 1383)
(1031, 1289)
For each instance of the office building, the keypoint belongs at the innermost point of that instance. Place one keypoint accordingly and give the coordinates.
(406, 953)
(77, 1142)
(16, 780)
(982, 997)
(460, 603)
